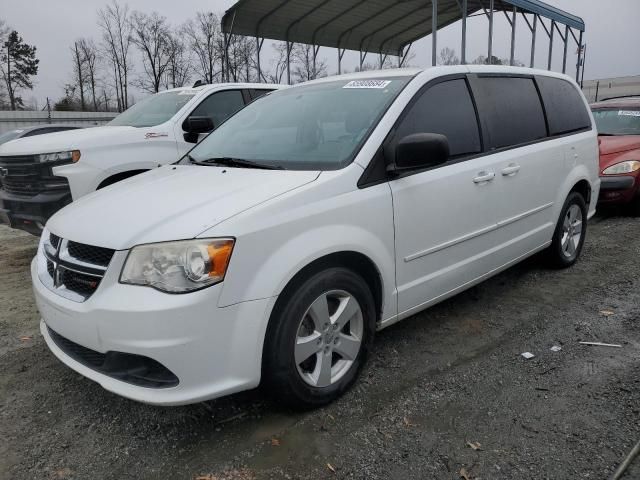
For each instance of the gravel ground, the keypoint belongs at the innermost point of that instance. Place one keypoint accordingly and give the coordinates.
(446, 394)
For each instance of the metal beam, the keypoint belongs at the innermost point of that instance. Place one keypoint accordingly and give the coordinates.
(533, 41)
(258, 49)
(564, 53)
(333, 19)
(404, 57)
(513, 36)
(434, 32)
(578, 62)
(340, 55)
(289, 47)
(490, 46)
(395, 20)
(551, 45)
(463, 54)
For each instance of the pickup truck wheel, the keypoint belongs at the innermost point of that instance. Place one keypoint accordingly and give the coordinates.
(319, 338)
(569, 235)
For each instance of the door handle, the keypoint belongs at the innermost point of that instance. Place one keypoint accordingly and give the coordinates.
(484, 177)
(511, 170)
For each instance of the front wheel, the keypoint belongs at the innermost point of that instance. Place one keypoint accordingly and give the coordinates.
(570, 232)
(318, 338)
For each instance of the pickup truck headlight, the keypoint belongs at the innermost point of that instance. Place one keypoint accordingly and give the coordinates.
(622, 167)
(72, 156)
(178, 267)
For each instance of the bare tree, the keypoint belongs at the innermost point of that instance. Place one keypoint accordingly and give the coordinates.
(4, 31)
(179, 67)
(204, 38)
(79, 72)
(152, 35)
(447, 56)
(114, 20)
(305, 66)
(89, 52)
(242, 58)
(278, 63)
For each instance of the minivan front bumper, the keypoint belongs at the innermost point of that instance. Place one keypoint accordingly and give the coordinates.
(211, 351)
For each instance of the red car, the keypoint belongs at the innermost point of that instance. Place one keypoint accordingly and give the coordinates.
(618, 124)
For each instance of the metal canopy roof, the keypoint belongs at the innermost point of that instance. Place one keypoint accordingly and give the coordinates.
(379, 26)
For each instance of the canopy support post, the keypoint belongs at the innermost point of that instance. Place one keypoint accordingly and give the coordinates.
(579, 61)
(533, 41)
(259, 43)
(553, 24)
(463, 53)
(490, 46)
(566, 44)
(383, 58)
(434, 31)
(513, 36)
(403, 57)
(584, 61)
(316, 49)
(340, 55)
(289, 47)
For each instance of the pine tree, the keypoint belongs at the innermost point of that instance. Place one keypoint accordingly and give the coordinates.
(19, 64)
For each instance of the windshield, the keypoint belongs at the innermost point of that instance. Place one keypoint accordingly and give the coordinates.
(10, 135)
(622, 121)
(154, 110)
(310, 127)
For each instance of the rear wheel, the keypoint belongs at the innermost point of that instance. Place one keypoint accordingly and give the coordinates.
(570, 232)
(318, 338)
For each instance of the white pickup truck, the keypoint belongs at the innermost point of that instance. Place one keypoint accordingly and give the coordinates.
(40, 175)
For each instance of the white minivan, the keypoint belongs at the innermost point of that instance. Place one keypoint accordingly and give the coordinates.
(40, 175)
(324, 212)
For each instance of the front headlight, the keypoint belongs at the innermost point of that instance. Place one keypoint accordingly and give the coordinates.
(622, 167)
(178, 267)
(71, 156)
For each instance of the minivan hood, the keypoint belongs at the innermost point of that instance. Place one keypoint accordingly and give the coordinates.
(173, 202)
(618, 143)
(73, 140)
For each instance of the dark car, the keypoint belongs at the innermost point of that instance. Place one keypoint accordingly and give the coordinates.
(618, 124)
(37, 130)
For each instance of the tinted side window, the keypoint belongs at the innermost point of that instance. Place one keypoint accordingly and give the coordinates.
(39, 131)
(445, 108)
(566, 111)
(510, 110)
(220, 106)
(258, 92)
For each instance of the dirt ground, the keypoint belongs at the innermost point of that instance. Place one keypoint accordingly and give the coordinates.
(436, 386)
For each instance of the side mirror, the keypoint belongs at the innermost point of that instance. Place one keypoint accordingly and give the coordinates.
(194, 126)
(421, 150)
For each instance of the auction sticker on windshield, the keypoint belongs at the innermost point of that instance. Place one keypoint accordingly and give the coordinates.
(367, 84)
(629, 113)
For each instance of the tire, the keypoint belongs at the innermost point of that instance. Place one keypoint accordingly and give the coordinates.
(565, 247)
(299, 349)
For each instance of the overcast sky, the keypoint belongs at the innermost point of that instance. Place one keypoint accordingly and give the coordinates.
(612, 35)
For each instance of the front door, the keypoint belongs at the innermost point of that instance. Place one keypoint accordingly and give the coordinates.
(445, 217)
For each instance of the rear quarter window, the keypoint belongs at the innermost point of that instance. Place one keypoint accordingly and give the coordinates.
(566, 110)
(510, 110)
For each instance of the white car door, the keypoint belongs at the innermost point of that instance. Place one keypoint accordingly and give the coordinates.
(530, 165)
(445, 217)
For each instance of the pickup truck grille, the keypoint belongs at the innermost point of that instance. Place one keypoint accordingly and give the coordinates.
(73, 270)
(25, 175)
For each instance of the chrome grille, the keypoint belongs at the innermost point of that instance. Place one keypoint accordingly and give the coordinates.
(73, 270)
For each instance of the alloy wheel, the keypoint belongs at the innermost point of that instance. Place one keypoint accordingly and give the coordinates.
(329, 338)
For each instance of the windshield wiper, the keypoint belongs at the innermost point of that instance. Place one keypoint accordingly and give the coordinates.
(236, 162)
